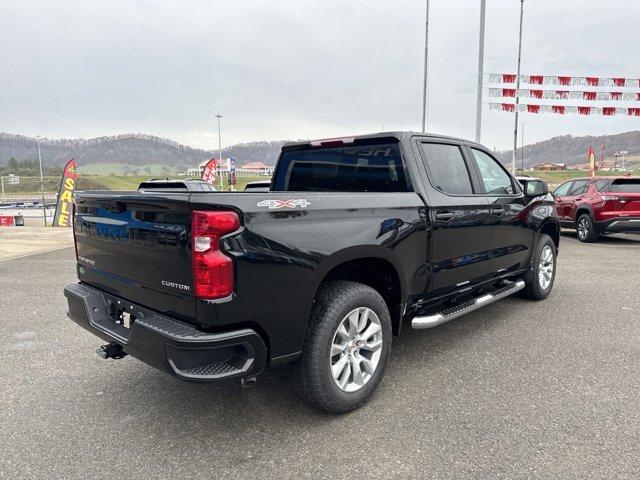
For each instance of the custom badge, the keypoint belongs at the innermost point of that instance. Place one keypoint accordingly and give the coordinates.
(293, 203)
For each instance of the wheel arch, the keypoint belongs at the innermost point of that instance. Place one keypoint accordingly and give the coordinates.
(584, 209)
(374, 266)
(551, 228)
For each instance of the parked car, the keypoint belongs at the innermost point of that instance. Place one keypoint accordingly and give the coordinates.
(533, 187)
(601, 205)
(258, 186)
(356, 237)
(168, 185)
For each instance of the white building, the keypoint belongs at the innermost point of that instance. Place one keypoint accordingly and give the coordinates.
(252, 169)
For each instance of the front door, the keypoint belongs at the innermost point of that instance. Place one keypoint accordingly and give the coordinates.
(561, 196)
(511, 234)
(459, 215)
(573, 200)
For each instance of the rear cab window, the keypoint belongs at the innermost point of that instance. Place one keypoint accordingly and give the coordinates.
(368, 165)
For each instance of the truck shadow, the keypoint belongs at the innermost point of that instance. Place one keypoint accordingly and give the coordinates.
(274, 403)
(616, 239)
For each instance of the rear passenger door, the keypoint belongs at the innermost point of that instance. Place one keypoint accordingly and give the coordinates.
(511, 235)
(459, 215)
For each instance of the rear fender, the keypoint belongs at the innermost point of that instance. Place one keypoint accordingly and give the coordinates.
(360, 252)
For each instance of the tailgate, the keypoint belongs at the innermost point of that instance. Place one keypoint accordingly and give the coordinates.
(137, 246)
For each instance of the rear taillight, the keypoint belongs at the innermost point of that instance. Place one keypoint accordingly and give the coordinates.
(212, 269)
(73, 227)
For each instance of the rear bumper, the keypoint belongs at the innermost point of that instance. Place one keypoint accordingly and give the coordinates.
(619, 225)
(167, 344)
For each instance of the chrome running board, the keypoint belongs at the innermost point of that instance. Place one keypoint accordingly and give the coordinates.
(456, 311)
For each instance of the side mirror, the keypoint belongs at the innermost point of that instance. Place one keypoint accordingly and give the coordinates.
(545, 188)
(536, 189)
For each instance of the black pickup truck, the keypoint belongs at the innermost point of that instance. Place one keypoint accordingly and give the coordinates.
(357, 237)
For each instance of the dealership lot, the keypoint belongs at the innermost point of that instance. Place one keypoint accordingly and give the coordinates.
(517, 389)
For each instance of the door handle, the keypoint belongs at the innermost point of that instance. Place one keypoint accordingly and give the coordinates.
(497, 211)
(444, 216)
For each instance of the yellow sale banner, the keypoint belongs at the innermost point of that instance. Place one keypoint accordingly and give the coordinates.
(64, 206)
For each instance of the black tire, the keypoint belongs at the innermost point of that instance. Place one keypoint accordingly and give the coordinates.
(533, 289)
(586, 229)
(332, 304)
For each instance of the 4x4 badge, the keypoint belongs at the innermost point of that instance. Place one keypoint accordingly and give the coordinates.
(293, 203)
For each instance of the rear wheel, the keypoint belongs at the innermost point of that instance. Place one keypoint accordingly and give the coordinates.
(586, 229)
(543, 269)
(347, 346)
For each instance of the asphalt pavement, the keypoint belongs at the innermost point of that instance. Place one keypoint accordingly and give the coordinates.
(518, 389)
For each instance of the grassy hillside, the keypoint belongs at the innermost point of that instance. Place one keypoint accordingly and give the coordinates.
(116, 168)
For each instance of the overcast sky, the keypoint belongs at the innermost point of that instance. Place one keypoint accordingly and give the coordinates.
(288, 69)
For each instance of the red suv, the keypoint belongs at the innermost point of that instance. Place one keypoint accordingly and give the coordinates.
(595, 206)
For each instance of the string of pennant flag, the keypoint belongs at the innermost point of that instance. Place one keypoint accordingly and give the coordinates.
(595, 93)
(549, 94)
(565, 109)
(565, 80)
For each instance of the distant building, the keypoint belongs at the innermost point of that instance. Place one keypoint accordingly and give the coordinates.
(606, 167)
(550, 166)
(252, 169)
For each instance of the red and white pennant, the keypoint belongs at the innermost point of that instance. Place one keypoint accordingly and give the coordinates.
(565, 109)
(564, 94)
(565, 80)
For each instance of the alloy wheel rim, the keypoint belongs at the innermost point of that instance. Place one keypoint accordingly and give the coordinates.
(545, 270)
(356, 349)
(583, 228)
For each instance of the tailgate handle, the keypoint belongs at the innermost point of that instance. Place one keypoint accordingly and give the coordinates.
(115, 207)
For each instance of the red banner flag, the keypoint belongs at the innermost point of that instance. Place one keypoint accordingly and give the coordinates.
(592, 162)
(209, 172)
(64, 205)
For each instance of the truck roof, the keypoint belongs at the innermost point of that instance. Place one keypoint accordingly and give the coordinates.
(399, 135)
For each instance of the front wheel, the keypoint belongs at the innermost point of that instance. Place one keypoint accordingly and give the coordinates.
(347, 346)
(543, 269)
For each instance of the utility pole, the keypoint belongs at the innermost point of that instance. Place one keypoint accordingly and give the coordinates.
(426, 70)
(218, 116)
(44, 208)
(515, 128)
(522, 149)
(483, 4)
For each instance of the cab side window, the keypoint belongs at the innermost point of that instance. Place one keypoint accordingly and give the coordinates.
(563, 189)
(446, 168)
(496, 180)
(579, 187)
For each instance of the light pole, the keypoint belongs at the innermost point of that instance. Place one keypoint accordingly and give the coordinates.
(483, 4)
(426, 69)
(515, 128)
(44, 208)
(522, 149)
(218, 116)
